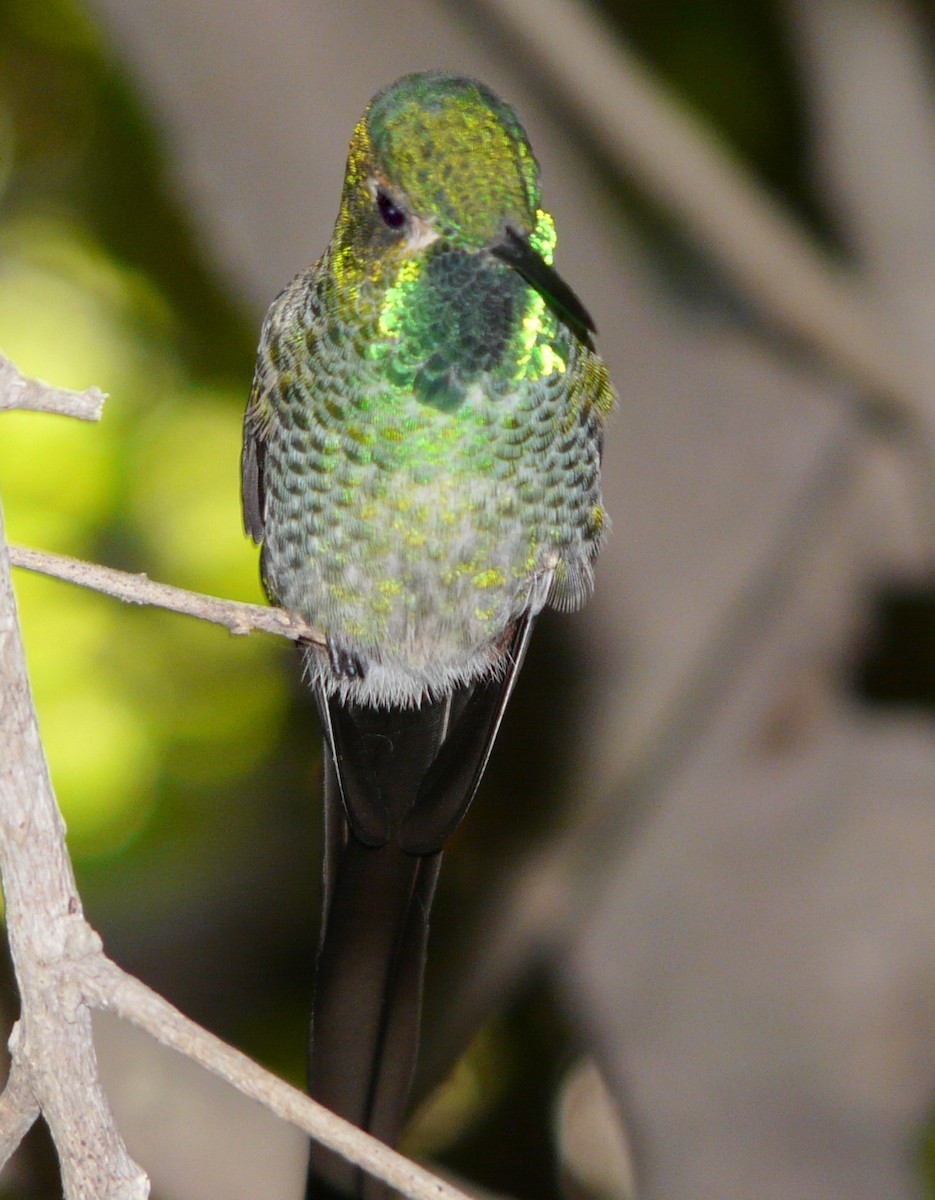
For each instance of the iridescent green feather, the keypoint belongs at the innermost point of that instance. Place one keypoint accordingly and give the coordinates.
(433, 427)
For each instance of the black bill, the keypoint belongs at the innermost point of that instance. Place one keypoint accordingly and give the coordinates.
(516, 251)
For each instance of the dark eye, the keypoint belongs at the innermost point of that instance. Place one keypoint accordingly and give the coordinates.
(392, 215)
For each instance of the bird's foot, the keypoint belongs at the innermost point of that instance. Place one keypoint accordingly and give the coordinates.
(344, 662)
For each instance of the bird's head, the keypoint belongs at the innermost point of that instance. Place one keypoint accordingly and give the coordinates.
(438, 161)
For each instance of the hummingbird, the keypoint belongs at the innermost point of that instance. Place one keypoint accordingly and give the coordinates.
(421, 467)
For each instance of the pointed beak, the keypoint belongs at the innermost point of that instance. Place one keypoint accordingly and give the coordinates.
(513, 249)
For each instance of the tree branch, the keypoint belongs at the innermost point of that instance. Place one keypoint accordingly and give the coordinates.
(51, 1046)
(113, 989)
(19, 391)
(19, 1108)
(140, 589)
(53, 1068)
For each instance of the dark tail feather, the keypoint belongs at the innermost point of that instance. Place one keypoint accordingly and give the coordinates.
(397, 782)
(368, 991)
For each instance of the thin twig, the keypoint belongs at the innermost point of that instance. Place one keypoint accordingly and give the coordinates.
(111, 988)
(19, 391)
(140, 589)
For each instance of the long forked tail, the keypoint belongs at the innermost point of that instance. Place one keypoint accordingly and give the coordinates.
(397, 782)
(368, 999)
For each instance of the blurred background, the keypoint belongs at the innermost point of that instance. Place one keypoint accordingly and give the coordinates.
(685, 942)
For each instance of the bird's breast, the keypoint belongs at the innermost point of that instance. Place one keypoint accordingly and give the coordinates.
(408, 536)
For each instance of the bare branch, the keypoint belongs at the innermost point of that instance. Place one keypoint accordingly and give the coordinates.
(19, 1108)
(140, 589)
(52, 1043)
(19, 391)
(114, 990)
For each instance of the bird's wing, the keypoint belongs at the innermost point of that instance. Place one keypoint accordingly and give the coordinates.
(452, 780)
(408, 775)
(252, 468)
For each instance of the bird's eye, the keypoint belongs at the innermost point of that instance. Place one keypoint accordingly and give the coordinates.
(392, 214)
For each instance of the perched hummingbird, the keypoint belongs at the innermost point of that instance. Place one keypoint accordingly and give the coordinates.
(421, 464)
